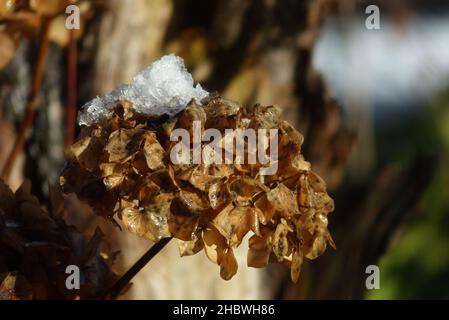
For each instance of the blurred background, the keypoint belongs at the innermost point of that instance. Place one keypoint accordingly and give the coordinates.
(373, 105)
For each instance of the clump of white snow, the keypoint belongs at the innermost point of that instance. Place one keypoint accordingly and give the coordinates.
(165, 87)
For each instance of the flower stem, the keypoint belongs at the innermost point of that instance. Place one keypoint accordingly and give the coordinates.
(32, 100)
(118, 287)
(72, 58)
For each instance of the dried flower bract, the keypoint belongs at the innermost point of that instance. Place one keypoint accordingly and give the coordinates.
(122, 167)
(36, 247)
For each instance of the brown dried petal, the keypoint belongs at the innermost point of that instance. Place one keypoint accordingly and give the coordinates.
(150, 222)
(318, 247)
(200, 178)
(243, 189)
(113, 181)
(221, 170)
(193, 112)
(188, 248)
(235, 223)
(221, 115)
(265, 117)
(291, 164)
(214, 244)
(139, 164)
(284, 201)
(324, 203)
(297, 260)
(259, 251)
(195, 202)
(280, 242)
(305, 193)
(154, 153)
(289, 135)
(217, 194)
(265, 209)
(228, 264)
(330, 240)
(113, 174)
(182, 223)
(316, 182)
(164, 179)
(321, 221)
(146, 191)
(122, 144)
(87, 152)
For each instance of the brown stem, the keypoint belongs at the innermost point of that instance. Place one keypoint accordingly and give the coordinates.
(32, 100)
(118, 287)
(71, 89)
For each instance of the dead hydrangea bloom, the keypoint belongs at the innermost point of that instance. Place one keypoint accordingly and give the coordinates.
(36, 247)
(122, 167)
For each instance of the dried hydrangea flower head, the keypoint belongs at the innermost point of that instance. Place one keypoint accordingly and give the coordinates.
(36, 246)
(121, 165)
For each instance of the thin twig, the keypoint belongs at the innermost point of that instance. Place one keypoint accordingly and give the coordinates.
(30, 114)
(118, 287)
(72, 77)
